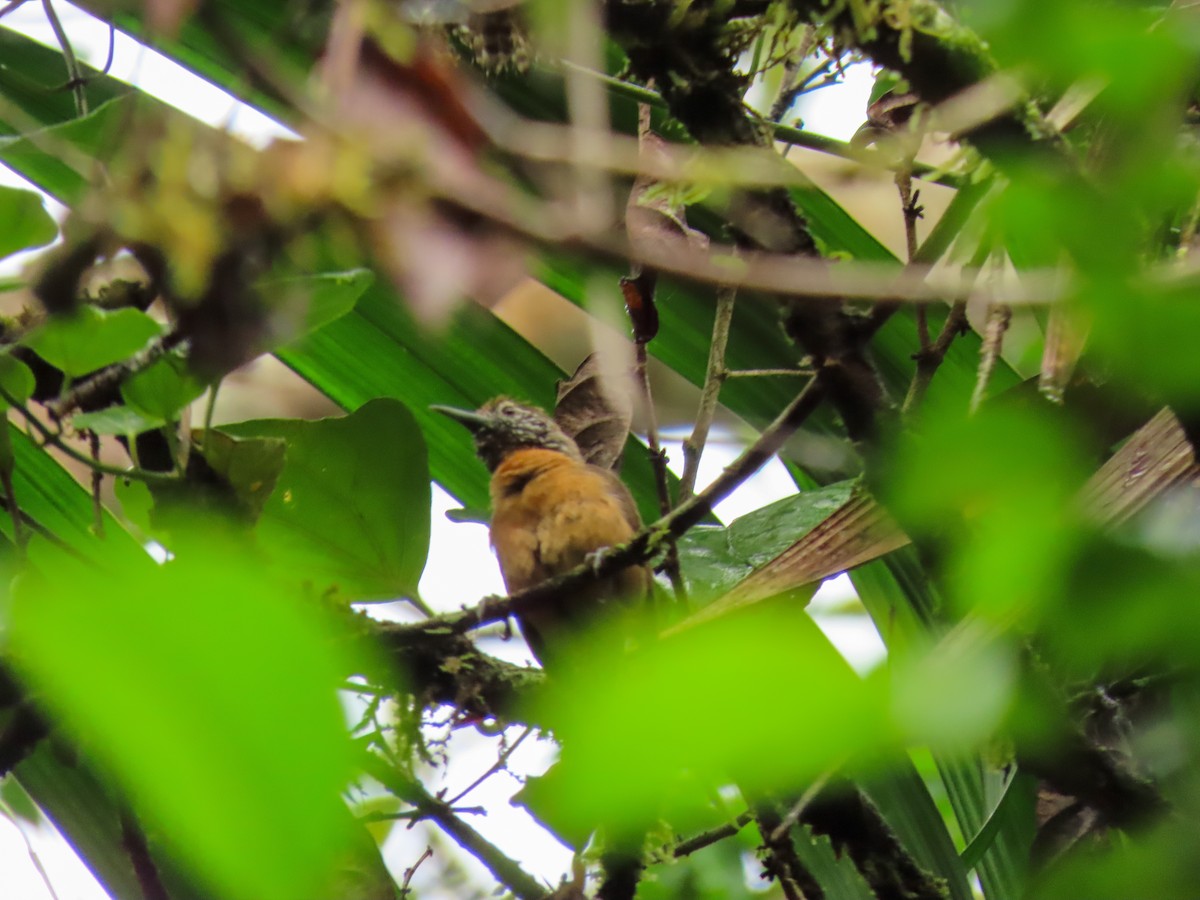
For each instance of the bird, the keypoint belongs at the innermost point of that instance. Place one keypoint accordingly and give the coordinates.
(551, 512)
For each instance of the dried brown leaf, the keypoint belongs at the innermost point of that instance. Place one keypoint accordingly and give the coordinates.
(595, 406)
(1065, 338)
(638, 291)
(1156, 459)
(857, 532)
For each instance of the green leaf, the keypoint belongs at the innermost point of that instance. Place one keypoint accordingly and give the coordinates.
(210, 694)
(1016, 805)
(164, 389)
(379, 350)
(50, 495)
(16, 379)
(250, 466)
(120, 420)
(351, 508)
(309, 302)
(905, 802)
(714, 559)
(26, 222)
(896, 596)
(89, 338)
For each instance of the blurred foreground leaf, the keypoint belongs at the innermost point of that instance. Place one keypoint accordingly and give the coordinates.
(90, 338)
(26, 222)
(211, 696)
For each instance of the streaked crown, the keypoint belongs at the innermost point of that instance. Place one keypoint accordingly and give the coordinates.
(502, 426)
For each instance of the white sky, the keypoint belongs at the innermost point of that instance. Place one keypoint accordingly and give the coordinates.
(461, 568)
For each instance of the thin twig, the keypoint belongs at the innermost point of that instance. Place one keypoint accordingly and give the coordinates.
(791, 85)
(911, 212)
(133, 840)
(8, 813)
(714, 376)
(10, 498)
(415, 815)
(505, 870)
(97, 483)
(9, 7)
(781, 861)
(500, 763)
(412, 870)
(108, 378)
(930, 359)
(783, 275)
(786, 133)
(658, 460)
(768, 373)
(710, 837)
(74, 73)
(55, 439)
(658, 456)
(644, 319)
(112, 49)
(797, 810)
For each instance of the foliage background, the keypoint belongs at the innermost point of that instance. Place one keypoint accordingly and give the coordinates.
(995, 434)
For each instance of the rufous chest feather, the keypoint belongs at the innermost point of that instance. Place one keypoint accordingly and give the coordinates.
(550, 511)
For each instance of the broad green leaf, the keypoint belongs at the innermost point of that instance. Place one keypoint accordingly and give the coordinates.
(26, 222)
(210, 694)
(16, 379)
(50, 495)
(308, 302)
(164, 389)
(89, 338)
(119, 420)
(350, 509)
(894, 594)
(714, 559)
(836, 228)
(250, 466)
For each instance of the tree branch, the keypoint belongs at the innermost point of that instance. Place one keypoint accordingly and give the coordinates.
(852, 822)
(505, 870)
(714, 377)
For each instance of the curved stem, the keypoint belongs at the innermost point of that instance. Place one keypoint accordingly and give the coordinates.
(74, 74)
(54, 439)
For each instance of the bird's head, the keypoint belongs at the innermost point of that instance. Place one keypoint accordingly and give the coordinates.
(501, 426)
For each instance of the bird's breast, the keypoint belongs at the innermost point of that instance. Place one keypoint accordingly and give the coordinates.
(549, 512)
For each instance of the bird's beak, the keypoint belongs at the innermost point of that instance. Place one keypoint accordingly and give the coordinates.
(468, 418)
